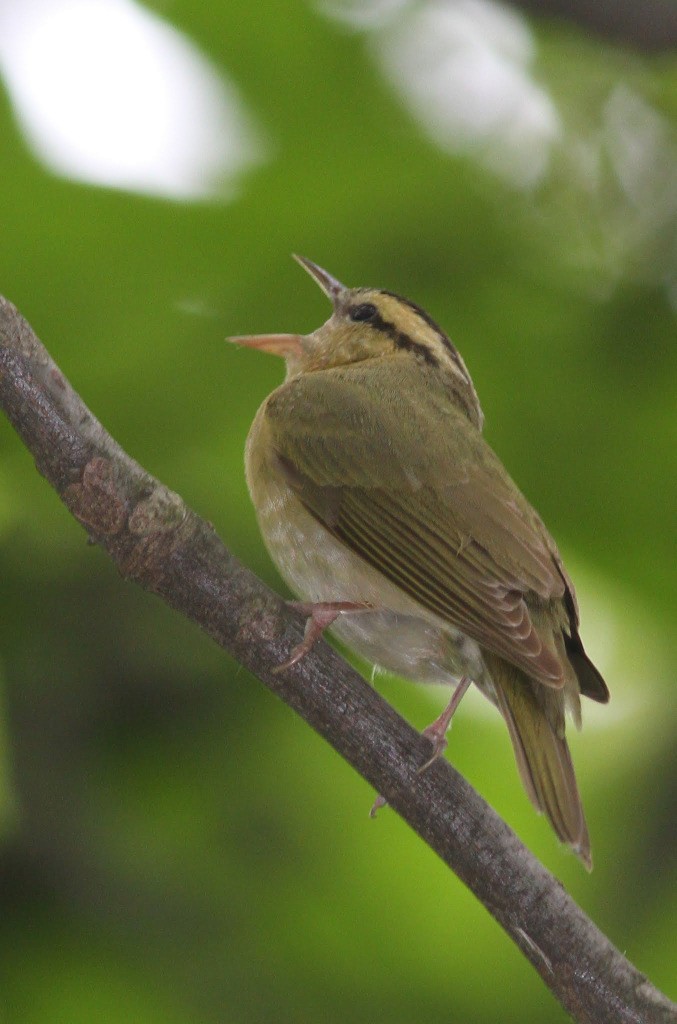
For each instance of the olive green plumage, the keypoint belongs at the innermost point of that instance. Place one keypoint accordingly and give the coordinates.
(373, 484)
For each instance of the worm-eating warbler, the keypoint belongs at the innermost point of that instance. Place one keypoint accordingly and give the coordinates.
(390, 516)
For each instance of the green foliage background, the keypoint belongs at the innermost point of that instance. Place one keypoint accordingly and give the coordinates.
(175, 845)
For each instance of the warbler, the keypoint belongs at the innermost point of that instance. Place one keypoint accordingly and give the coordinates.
(392, 519)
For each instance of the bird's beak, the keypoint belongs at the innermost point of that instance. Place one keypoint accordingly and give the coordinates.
(291, 344)
(329, 285)
(277, 344)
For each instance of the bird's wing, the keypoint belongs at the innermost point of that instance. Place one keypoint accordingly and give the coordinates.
(421, 497)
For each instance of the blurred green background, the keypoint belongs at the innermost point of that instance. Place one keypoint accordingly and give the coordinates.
(174, 844)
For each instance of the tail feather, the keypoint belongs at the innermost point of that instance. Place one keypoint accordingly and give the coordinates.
(590, 680)
(535, 718)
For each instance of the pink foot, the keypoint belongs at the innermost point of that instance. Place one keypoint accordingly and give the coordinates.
(320, 616)
(378, 803)
(436, 732)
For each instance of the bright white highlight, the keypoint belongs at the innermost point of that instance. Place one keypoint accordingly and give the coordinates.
(107, 93)
(463, 69)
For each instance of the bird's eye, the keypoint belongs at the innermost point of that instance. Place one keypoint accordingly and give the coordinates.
(365, 311)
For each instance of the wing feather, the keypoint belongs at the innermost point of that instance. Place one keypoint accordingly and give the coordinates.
(422, 498)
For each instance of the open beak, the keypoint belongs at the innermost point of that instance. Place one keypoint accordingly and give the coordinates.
(277, 344)
(290, 344)
(329, 285)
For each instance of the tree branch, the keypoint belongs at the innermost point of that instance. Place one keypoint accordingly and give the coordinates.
(155, 540)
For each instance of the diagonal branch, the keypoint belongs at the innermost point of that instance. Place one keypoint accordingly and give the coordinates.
(155, 540)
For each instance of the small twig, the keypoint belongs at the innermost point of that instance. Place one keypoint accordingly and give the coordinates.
(154, 539)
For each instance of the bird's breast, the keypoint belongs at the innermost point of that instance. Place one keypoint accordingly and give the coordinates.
(398, 635)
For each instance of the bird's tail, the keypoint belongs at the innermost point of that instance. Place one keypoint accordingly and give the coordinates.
(535, 717)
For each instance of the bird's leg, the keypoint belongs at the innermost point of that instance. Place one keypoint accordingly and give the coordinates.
(319, 615)
(436, 732)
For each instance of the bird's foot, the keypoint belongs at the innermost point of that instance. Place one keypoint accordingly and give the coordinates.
(378, 803)
(319, 615)
(436, 732)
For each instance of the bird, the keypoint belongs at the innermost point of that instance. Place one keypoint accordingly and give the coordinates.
(399, 529)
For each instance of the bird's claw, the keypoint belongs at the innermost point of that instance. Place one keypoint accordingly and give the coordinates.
(319, 616)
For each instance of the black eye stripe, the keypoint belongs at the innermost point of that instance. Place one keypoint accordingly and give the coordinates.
(431, 323)
(365, 311)
(403, 340)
